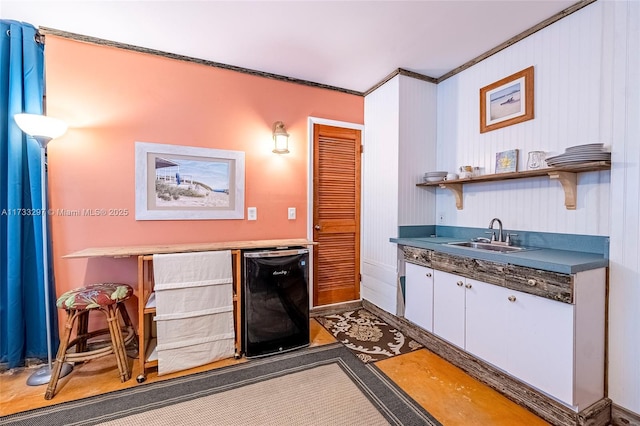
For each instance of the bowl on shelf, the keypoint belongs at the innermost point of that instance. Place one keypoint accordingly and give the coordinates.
(434, 176)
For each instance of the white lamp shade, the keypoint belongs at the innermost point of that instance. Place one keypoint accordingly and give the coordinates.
(281, 144)
(40, 127)
(280, 138)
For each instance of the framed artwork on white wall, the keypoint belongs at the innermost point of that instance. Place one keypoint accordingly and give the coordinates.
(507, 161)
(175, 182)
(507, 101)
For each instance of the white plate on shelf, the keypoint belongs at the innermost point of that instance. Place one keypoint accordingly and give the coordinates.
(586, 147)
(576, 160)
(596, 156)
(563, 161)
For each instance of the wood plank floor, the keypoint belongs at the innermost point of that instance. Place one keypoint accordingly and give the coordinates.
(444, 390)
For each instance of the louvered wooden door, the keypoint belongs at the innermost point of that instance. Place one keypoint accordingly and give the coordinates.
(336, 214)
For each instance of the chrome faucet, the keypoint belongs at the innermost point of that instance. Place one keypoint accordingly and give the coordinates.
(501, 239)
(493, 236)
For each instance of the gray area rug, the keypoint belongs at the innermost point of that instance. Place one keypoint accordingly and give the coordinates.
(323, 385)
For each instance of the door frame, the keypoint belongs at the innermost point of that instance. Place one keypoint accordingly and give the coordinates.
(347, 125)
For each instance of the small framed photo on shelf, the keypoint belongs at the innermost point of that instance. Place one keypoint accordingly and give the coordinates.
(507, 161)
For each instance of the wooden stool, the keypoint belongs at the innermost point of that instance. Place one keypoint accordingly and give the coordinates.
(107, 298)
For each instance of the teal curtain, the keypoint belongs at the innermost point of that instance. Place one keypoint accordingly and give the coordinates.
(22, 310)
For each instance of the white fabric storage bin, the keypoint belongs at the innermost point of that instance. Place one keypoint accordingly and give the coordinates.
(176, 300)
(194, 309)
(193, 326)
(200, 354)
(192, 269)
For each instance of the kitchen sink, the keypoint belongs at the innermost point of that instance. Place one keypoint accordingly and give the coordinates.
(487, 246)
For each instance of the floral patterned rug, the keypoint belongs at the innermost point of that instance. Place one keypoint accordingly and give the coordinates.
(367, 336)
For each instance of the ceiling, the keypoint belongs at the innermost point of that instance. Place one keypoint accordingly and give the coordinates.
(347, 44)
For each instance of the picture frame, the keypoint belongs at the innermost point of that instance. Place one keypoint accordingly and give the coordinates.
(507, 101)
(175, 182)
(507, 161)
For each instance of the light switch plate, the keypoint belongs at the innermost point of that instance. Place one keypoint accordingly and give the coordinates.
(252, 213)
(291, 213)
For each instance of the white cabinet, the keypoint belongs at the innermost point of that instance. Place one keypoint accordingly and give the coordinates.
(528, 336)
(464, 315)
(539, 337)
(544, 328)
(486, 322)
(419, 295)
(553, 346)
(448, 307)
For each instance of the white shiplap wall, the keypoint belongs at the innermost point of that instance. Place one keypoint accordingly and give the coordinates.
(622, 49)
(587, 89)
(399, 147)
(417, 150)
(569, 90)
(380, 195)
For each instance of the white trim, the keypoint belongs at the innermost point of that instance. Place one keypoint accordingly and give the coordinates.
(346, 125)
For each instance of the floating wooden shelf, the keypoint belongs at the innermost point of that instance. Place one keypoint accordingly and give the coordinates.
(566, 175)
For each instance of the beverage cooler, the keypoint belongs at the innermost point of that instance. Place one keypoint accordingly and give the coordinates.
(275, 300)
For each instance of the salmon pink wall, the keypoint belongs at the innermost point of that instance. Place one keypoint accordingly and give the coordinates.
(112, 98)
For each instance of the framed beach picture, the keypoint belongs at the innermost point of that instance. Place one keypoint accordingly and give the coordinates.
(507, 161)
(175, 182)
(507, 101)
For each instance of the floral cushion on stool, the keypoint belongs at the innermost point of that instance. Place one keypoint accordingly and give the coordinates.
(95, 295)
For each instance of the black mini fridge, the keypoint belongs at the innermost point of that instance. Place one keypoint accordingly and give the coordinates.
(275, 301)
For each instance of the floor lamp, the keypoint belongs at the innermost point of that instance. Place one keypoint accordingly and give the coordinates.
(43, 129)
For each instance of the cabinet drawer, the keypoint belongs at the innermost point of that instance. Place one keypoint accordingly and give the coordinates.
(550, 285)
(482, 270)
(489, 272)
(452, 264)
(416, 255)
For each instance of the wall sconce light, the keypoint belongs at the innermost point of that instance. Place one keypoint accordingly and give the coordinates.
(280, 138)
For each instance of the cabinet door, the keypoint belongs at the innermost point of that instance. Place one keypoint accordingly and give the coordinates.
(419, 295)
(448, 307)
(540, 350)
(486, 321)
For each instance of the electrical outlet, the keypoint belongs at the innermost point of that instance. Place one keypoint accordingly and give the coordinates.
(442, 218)
(252, 213)
(291, 213)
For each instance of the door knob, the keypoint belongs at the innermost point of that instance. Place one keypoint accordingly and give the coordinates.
(317, 227)
(460, 283)
(428, 274)
(468, 286)
(512, 298)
